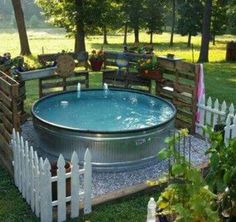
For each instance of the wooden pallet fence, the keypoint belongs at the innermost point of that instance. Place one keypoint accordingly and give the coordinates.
(10, 116)
(179, 85)
(54, 84)
(32, 176)
(211, 113)
(230, 128)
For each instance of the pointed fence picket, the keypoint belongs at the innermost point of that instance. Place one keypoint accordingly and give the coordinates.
(230, 128)
(32, 176)
(212, 113)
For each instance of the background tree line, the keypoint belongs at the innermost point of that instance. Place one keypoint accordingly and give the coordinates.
(88, 17)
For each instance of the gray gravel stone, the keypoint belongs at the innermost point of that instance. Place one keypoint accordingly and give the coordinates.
(105, 182)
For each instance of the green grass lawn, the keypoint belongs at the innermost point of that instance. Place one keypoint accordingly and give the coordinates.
(220, 80)
(220, 77)
(14, 209)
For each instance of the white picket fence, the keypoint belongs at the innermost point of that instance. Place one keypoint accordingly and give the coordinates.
(210, 114)
(33, 178)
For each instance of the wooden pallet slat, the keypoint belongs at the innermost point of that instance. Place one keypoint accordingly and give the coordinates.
(5, 99)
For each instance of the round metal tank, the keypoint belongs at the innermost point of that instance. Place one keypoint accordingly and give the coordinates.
(110, 151)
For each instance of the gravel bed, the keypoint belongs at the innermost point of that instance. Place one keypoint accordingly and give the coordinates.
(105, 182)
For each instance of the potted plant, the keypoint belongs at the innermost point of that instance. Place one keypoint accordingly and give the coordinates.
(96, 59)
(7, 63)
(149, 68)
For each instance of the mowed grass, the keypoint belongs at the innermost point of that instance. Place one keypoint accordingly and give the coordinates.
(14, 209)
(220, 77)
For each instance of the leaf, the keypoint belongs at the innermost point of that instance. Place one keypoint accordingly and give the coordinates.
(227, 177)
(163, 154)
(163, 204)
(177, 169)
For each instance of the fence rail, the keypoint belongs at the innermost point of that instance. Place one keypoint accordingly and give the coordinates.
(211, 113)
(34, 179)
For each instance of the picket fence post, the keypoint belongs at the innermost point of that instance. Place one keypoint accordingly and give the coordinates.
(45, 191)
(210, 114)
(74, 185)
(87, 182)
(61, 189)
(32, 176)
(230, 128)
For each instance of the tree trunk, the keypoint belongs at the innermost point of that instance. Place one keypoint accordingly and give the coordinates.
(136, 35)
(189, 40)
(105, 42)
(203, 57)
(173, 23)
(151, 37)
(125, 33)
(213, 39)
(80, 33)
(20, 22)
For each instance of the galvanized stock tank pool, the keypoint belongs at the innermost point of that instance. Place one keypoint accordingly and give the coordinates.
(122, 128)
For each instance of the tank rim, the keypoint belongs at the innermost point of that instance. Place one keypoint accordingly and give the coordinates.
(39, 119)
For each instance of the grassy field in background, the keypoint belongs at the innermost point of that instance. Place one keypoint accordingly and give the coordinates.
(220, 80)
(54, 40)
(220, 77)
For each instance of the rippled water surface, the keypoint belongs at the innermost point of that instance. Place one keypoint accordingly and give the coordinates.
(99, 110)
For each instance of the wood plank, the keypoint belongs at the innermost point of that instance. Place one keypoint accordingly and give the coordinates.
(182, 98)
(187, 113)
(49, 85)
(8, 78)
(5, 99)
(6, 148)
(5, 133)
(8, 125)
(7, 112)
(15, 91)
(5, 86)
(194, 101)
(75, 82)
(166, 95)
(180, 124)
(81, 73)
(183, 88)
(186, 76)
(53, 77)
(37, 74)
(50, 92)
(166, 65)
(185, 67)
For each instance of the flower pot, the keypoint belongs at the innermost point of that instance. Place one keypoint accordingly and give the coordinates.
(152, 74)
(54, 184)
(37, 73)
(96, 65)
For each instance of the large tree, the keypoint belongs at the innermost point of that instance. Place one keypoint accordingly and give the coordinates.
(153, 17)
(134, 9)
(80, 17)
(206, 26)
(19, 16)
(218, 18)
(231, 15)
(69, 15)
(190, 18)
